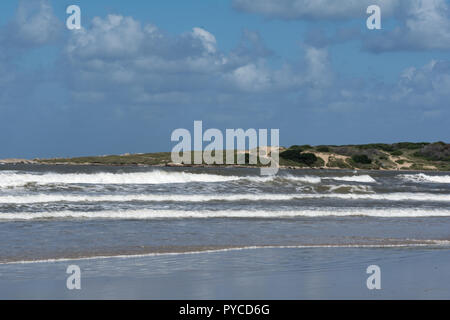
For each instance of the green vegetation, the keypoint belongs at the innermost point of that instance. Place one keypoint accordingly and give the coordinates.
(323, 149)
(338, 163)
(397, 153)
(127, 159)
(438, 151)
(417, 156)
(295, 156)
(361, 158)
(409, 145)
(379, 146)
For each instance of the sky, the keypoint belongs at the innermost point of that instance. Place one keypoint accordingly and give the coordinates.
(136, 71)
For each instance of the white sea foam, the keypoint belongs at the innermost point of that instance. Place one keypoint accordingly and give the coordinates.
(306, 179)
(17, 178)
(352, 188)
(363, 178)
(10, 179)
(422, 177)
(181, 214)
(45, 198)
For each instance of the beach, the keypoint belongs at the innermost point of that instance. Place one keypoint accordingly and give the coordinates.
(222, 233)
(319, 273)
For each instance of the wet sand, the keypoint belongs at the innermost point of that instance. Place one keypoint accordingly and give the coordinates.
(314, 273)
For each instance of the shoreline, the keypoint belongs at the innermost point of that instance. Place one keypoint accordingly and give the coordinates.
(34, 162)
(345, 279)
(401, 156)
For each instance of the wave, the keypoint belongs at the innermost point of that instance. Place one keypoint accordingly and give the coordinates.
(363, 178)
(9, 179)
(422, 177)
(306, 179)
(407, 244)
(17, 178)
(182, 214)
(45, 198)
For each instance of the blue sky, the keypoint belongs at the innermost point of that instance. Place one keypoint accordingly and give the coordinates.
(135, 72)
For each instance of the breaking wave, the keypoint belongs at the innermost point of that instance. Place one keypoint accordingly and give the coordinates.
(152, 177)
(182, 214)
(17, 179)
(422, 177)
(362, 178)
(43, 198)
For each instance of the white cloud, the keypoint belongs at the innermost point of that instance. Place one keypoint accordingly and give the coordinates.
(34, 24)
(114, 36)
(425, 87)
(425, 25)
(319, 68)
(314, 9)
(208, 40)
(152, 69)
(251, 77)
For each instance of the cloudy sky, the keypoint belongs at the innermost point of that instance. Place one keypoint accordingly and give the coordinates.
(134, 73)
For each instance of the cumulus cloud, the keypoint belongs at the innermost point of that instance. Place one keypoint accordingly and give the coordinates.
(134, 63)
(33, 25)
(419, 24)
(117, 65)
(314, 9)
(208, 40)
(426, 87)
(118, 59)
(424, 24)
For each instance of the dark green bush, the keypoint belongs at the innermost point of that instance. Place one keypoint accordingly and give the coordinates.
(294, 155)
(396, 153)
(361, 158)
(438, 151)
(290, 154)
(308, 158)
(380, 146)
(323, 149)
(410, 145)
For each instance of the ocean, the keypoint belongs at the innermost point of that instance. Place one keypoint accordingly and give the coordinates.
(213, 233)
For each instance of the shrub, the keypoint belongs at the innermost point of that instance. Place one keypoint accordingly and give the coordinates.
(380, 146)
(294, 155)
(396, 153)
(290, 154)
(410, 145)
(296, 148)
(361, 158)
(307, 158)
(337, 163)
(438, 151)
(323, 149)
